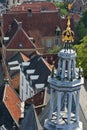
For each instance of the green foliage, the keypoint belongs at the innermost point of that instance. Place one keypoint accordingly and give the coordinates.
(82, 26)
(84, 18)
(64, 12)
(58, 4)
(54, 50)
(82, 55)
(62, 7)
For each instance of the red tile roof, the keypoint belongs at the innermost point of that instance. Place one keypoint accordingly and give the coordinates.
(35, 7)
(20, 38)
(38, 25)
(45, 22)
(25, 58)
(12, 102)
(36, 34)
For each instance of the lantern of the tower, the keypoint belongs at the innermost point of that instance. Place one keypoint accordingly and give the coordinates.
(65, 86)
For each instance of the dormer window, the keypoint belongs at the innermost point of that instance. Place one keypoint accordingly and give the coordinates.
(43, 8)
(20, 45)
(30, 12)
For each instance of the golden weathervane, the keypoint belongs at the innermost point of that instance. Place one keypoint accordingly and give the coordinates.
(68, 34)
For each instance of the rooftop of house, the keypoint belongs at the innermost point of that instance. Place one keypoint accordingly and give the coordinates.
(39, 65)
(10, 112)
(12, 103)
(13, 64)
(39, 100)
(34, 6)
(19, 56)
(44, 23)
(17, 37)
(5, 117)
(31, 120)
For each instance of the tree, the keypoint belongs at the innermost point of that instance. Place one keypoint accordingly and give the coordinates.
(82, 26)
(62, 6)
(82, 55)
(54, 50)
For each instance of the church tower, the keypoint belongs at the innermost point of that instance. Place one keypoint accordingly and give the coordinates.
(65, 85)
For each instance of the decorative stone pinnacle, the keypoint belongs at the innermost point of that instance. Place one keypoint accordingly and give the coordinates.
(68, 34)
(52, 74)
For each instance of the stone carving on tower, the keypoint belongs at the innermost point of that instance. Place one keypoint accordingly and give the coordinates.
(65, 86)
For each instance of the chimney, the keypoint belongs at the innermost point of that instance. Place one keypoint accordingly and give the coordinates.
(23, 8)
(29, 12)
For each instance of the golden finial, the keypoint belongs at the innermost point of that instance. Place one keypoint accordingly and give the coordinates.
(68, 34)
(70, 6)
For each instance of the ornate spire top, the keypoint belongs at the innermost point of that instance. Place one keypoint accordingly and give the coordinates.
(68, 34)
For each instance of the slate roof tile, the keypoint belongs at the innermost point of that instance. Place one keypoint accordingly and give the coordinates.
(40, 66)
(31, 121)
(19, 56)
